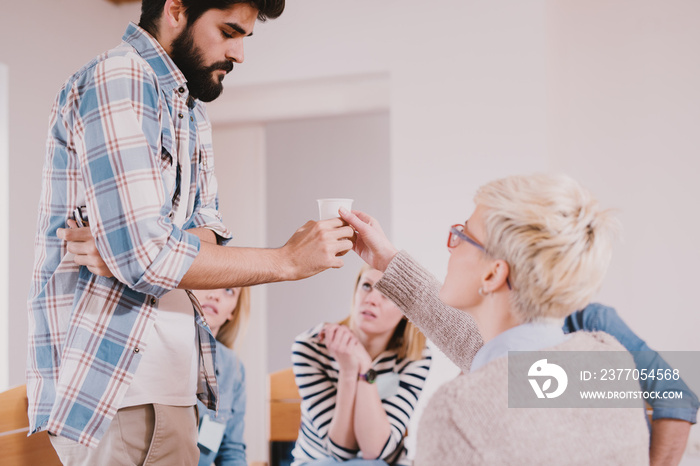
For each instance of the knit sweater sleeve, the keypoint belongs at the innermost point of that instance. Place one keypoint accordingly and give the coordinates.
(416, 292)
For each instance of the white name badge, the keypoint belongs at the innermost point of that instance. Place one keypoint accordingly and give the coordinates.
(210, 434)
(387, 385)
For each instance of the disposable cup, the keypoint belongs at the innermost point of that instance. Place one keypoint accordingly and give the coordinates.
(328, 208)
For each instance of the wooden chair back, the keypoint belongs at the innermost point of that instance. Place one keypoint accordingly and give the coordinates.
(285, 406)
(16, 449)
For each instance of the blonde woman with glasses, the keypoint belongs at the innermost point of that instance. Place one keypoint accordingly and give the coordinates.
(535, 249)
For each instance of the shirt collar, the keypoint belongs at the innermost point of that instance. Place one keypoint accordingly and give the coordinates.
(169, 75)
(532, 336)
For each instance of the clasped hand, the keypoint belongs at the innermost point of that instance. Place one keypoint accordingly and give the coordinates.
(81, 243)
(344, 346)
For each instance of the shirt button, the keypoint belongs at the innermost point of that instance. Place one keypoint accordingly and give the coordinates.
(136, 350)
(153, 301)
(181, 90)
(204, 162)
(191, 118)
(180, 115)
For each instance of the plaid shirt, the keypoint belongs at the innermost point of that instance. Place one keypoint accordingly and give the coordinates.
(114, 134)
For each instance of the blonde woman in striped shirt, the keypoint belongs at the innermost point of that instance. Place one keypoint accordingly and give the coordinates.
(360, 381)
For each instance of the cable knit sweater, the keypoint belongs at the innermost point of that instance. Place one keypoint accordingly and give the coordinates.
(467, 421)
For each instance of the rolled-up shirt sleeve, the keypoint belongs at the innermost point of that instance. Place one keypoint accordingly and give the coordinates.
(118, 140)
(683, 403)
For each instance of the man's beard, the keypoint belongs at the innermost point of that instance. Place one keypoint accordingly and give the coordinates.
(202, 83)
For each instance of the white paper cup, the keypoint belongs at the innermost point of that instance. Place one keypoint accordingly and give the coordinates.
(328, 208)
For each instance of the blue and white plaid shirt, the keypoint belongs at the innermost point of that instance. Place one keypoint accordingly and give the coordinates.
(114, 134)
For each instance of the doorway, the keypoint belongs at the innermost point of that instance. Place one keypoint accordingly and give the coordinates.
(248, 119)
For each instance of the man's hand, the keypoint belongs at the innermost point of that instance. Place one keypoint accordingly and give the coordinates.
(346, 349)
(317, 246)
(82, 244)
(371, 245)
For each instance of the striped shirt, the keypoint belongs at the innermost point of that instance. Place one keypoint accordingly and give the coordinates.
(116, 133)
(316, 374)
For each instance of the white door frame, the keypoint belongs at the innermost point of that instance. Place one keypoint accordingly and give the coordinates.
(5, 215)
(311, 98)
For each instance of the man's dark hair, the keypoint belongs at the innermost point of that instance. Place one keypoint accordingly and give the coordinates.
(151, 10)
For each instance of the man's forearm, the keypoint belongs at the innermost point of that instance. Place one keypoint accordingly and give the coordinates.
(228, 267)
(312, 249)
(668, 440)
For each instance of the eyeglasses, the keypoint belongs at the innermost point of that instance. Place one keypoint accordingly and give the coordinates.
(457, 235)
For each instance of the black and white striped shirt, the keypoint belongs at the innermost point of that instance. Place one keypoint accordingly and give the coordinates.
(316, 374)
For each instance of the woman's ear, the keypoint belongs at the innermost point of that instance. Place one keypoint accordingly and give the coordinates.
(496, 277)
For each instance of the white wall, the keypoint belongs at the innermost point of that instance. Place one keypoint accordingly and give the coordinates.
(624, 108)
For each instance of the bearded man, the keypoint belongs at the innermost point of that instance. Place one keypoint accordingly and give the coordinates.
(119, 351)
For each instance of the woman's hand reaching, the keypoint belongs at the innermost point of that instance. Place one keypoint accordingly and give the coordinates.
(372, 244)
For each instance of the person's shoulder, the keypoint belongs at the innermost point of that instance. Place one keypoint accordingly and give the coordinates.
(227, 358)
(591, 341)
(225, 351)
(118, 62)
(308, 342)
(424, 360)
(595, 316)
(310, 335)
(495, 369)
(475, 390)
(427, 353)
(125, 58)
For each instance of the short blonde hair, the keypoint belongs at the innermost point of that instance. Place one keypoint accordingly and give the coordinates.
(554, 236)
(234, 328)
(407, 340)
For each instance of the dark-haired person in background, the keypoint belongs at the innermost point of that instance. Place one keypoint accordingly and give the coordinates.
(118, 354)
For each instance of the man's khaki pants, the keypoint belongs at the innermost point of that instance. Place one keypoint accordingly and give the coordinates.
(139, 435)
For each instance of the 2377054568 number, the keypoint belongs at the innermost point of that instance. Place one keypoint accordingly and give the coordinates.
(639, 374)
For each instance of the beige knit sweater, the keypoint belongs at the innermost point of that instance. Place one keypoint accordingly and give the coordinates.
(468, 422)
